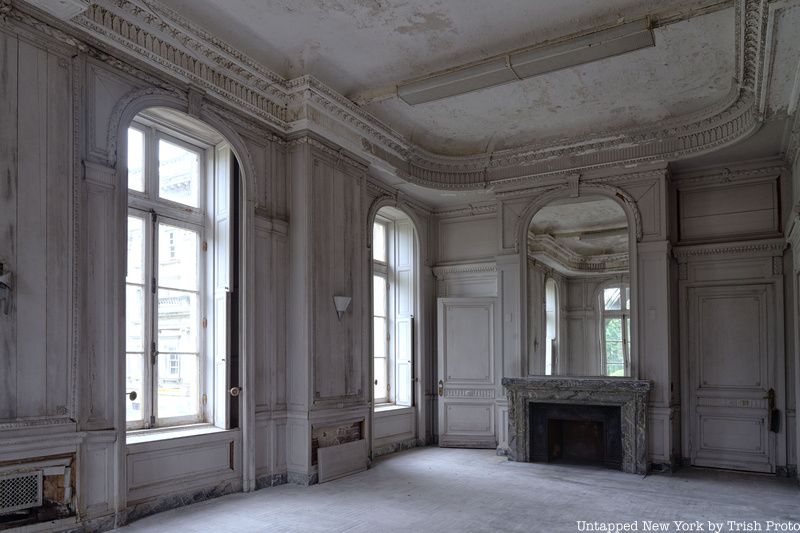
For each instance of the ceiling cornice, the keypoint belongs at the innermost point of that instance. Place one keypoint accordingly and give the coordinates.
(162, 38)
(573, 263)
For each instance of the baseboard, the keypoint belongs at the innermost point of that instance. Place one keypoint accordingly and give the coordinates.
(298, 478)
(271, 480)
(395, 447)
(180, 499)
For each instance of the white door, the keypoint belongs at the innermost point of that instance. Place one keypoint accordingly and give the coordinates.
(732, 357)
(466, 373)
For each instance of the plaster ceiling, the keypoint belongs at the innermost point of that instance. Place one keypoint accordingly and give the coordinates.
(588, 226)
(364, 46)
(690, 68)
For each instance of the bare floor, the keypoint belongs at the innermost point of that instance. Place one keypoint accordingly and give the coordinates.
(442, 490)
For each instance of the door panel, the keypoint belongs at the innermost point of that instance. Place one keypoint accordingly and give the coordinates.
(466, 372)
(731, 357)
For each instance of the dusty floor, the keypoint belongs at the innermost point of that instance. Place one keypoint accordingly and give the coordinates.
(441, 490)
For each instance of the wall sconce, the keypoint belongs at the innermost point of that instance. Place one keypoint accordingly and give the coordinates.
(341, 303)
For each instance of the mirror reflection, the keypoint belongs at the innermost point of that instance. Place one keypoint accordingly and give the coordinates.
(579, 293)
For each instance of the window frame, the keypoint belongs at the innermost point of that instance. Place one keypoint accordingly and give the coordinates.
(555, 362)
(155, 210)
(382, 269)
(623, 313)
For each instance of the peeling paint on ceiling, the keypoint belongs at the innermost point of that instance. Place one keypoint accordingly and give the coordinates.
(690, 68)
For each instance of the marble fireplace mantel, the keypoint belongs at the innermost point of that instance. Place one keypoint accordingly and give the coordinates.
(629, 394)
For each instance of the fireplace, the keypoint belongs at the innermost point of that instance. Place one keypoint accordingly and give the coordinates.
(599, 420)
(584, 434)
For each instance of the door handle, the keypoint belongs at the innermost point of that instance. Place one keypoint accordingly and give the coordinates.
(235, 391)
(6, 284)
(773, 415)
(441, 388)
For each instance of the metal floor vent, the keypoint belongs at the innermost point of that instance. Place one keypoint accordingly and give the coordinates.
(20, 491)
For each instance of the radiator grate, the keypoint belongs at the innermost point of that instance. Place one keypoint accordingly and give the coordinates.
(20, 491)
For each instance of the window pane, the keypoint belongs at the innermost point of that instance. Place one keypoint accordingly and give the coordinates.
(135, 272)
(612, 299)
(178, 380)
(135, 160)
(617, 370)
(177, 257)
(613, 329)
(177, 321)
(134, 318)
(378, 296)
(627, 297)
(178, 174)
(381, 371)
(134, 381)
(379, 242)
(379, 337)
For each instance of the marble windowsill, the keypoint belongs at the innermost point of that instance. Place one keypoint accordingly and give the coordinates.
(390, 407)
(140, 436)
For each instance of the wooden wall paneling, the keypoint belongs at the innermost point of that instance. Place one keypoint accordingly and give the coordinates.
(8, 220)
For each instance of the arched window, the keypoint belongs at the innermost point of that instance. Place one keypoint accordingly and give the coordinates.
(181, 274)
(615, 329)
(393, 307)
(551, 327)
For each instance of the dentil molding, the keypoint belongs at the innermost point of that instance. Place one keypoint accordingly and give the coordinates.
(163, 39)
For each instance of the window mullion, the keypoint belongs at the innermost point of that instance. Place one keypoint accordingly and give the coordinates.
(153, 294)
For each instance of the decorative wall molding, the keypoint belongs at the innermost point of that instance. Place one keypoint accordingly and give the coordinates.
(764, 248)
(161, 38)
(731, 173)
(444, 271)
(483, 393)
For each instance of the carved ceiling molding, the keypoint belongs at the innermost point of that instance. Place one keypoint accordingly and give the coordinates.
(765, 248)
(161, 37)
(470, 210)
(164, 39)
(571, 261)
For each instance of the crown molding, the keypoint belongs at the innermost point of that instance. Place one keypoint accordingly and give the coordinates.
(163, 39)
(573, 263)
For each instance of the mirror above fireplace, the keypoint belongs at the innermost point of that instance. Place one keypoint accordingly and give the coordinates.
(579, 289)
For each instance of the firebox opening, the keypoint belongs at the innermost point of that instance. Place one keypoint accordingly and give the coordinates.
(575, 433)
(575, 441)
